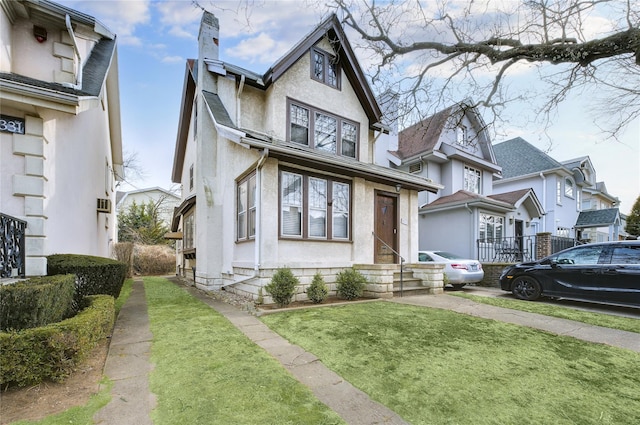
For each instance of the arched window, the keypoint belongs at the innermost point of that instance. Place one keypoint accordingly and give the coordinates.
(568, 188)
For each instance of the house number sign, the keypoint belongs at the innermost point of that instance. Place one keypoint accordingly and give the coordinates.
(11, 124)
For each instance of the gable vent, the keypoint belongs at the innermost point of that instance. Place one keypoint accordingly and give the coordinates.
(416, 167)
(104, 205)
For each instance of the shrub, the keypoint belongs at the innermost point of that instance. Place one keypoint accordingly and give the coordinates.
(53, 351)
(94, 275)
(350, 284)
(36, 302)
(282, 286)
(317, 291)
(123, 251)
(153, 259)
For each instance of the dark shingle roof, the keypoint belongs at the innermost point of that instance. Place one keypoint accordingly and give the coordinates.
(597, 218)
(217, 109)
(510, 197)
(517, 157)
(423, 136)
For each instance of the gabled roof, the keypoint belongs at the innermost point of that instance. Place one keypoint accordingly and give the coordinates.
(122, 196)
(463, 198)
(598, 218)
(425, 137)
(526, 197)
(349, 64)
(517, 157)
(332, 28)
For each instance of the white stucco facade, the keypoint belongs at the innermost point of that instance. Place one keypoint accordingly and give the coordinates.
(235, 128)
(70, 152)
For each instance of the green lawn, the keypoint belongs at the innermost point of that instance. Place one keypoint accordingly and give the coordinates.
(598, 319)
(208, 372)
(439, 367)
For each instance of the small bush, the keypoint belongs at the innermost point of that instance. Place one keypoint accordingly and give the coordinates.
(282, 286)
(317, 291)
(350, 284)
(36, 302)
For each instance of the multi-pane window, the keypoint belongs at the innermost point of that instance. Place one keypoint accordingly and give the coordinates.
(306, 204)
(291, 204)
(568, 188)
(562, 232)
(324, 68)
(340, 210)
(326, 132)
(558, 192)
(322, 131)
(299, 128)
(246, 208)
(317, 207)
(472, 179)
(491, 228)
(188, 227)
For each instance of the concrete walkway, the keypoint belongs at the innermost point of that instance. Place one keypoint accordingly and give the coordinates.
(128, 361)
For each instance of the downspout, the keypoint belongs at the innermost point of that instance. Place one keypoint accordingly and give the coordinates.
(257, 251)
(544, 202)
(78, 76)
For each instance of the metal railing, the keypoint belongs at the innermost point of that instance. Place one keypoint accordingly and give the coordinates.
(519, 249)
(399, 256)
(12, 246)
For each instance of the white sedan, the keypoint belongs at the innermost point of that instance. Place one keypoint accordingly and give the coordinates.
(459, 271)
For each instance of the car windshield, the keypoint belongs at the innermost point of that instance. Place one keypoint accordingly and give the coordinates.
(448, 255)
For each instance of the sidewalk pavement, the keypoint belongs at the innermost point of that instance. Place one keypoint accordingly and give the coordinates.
(128, 362)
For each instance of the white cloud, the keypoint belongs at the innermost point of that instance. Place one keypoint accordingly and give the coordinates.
(259, 50)
(181, 17)
(120, 16)
(173, 59)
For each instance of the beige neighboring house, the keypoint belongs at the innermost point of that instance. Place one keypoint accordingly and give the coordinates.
(277, 170)
(60, 136)
(164, 200)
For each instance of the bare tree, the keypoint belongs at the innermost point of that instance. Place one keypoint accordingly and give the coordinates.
(437, 52)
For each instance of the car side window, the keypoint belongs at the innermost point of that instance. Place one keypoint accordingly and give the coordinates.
(424, 257)
(626, 255)
(580, 255)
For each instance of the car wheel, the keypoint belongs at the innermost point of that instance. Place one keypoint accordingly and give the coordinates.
(526, 288)
(458, 286)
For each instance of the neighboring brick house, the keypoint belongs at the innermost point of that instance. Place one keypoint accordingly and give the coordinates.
(60, 138)
(277, 169)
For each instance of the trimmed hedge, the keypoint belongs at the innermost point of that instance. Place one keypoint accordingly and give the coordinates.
(94, 275)
(36, 302)
(53, 351)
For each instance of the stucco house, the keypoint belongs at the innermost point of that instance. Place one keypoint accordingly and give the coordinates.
(467, 216)
(60, 137)
(277, 169)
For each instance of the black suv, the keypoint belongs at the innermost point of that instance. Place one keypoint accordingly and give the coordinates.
(606, 272)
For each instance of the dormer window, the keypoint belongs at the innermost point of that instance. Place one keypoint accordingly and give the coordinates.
(324, 68)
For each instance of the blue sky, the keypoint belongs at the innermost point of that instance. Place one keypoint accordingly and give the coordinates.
(156, 37)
